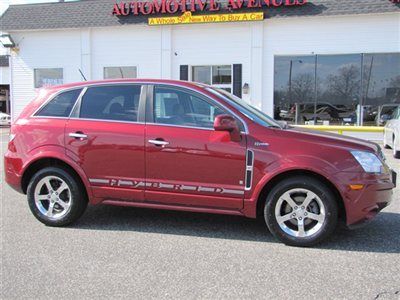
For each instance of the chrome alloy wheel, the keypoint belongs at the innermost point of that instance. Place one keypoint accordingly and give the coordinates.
(300, 212)
(53, 197)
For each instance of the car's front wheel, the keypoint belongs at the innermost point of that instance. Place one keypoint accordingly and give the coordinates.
(301, 211)
(55, 197)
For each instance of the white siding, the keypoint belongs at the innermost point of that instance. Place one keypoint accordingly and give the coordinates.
(46, 49)
(136, 45)
(212, 44)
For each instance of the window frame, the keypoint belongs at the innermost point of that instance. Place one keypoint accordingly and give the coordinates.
(150, 101)
(123, 66)
(46, 68)
(75, 113)
(220, 86)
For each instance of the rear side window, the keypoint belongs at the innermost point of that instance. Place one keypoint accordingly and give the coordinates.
(117, 102)
(61, 105)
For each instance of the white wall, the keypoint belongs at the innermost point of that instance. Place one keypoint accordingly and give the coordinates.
(327, 35)
(47, 49)
(159, 51)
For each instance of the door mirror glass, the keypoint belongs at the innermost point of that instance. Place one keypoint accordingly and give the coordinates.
(228, 123)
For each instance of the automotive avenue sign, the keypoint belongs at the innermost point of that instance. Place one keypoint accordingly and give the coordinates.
(138, 7)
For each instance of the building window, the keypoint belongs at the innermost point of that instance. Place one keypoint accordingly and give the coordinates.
(120, 72)
(218, 76)
(48, 77)
(336, 89)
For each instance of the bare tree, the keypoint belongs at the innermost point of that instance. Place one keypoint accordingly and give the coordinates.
(346, 83)
(303, 88)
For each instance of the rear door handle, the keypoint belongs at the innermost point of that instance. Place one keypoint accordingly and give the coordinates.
(78, 135)
(159, 143)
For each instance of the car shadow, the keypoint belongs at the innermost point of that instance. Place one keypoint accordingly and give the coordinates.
(381, 235)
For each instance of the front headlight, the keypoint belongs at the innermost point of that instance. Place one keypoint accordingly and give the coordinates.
(368, 161)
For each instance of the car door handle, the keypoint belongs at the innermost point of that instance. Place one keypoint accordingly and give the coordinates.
(159, 143)
(78, 135)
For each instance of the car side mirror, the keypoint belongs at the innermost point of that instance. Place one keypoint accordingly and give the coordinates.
(228, 123)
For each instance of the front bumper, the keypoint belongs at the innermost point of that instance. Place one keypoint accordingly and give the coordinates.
(363, 205)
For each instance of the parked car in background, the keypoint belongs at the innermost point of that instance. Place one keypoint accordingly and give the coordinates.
(391, 137)
(324, 112)
(385, 113)
(5, 119)
(185, 146)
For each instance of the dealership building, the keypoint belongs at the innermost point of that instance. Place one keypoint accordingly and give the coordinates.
(330, 62)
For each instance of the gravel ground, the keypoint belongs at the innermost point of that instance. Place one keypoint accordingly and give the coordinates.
(115, 252)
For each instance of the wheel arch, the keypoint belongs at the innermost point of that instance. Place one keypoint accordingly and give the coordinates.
(299, 172)
(44, 162)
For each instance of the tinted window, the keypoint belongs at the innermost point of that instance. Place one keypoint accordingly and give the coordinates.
(177, 107)
(117, 102)
(61, 105)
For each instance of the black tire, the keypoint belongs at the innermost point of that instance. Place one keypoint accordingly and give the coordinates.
(317, 187)
(78, 200)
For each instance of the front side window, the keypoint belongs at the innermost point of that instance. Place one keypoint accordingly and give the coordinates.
(120, 72)
(177, 107)
(61, 105)
(48, 77)
(116, 102)
(217, 76)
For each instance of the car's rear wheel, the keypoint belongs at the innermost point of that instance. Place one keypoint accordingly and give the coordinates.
(301, 211)
(55, 197)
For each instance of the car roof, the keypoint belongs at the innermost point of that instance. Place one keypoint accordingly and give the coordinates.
(125, 80)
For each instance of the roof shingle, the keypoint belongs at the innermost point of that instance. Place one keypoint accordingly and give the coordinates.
(98, 13)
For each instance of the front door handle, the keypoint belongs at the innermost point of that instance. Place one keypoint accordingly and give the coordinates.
(78, 135)
(159, 143)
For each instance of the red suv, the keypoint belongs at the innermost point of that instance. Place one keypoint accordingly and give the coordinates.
(186, 146)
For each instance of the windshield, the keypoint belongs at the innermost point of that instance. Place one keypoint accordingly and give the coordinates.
(249, 111)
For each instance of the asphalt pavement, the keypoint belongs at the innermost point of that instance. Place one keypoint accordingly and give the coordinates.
(115, 252)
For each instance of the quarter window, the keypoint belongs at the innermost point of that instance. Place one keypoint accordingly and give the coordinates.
(117, 102)
(178, 107)
(61, 105)
(48, 77)
(120, 72)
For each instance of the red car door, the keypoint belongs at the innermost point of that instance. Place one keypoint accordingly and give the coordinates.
(104, 136)
(187, 161)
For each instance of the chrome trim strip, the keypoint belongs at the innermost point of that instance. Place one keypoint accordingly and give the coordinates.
(179, 126)
(249, 167)
(236, 192)
(160, 185)
(98, 180)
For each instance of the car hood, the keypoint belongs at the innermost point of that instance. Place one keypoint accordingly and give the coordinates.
(333, 139)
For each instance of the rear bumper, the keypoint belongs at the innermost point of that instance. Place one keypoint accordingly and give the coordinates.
(363, 205)
(12, 169)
